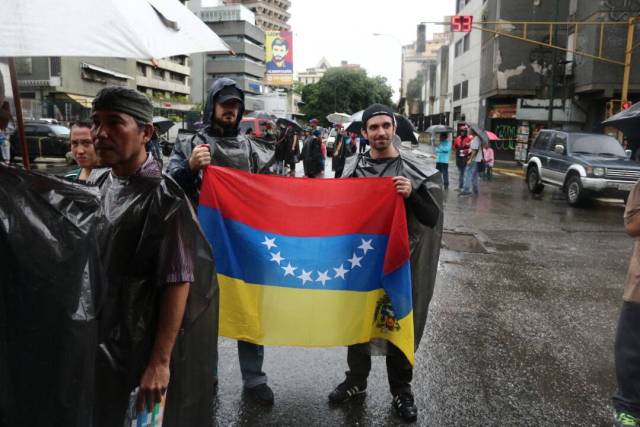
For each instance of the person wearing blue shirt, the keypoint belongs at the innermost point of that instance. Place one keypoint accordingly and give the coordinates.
(442, 158)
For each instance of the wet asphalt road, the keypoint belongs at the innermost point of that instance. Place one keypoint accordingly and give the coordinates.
(520, 334)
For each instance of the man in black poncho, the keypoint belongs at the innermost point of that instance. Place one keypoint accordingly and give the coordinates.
(157, 310)
(422, 191)
(220, 143)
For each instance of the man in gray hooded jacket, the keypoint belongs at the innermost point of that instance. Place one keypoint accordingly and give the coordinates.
(220, 143)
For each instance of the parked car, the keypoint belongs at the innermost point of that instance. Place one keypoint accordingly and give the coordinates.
(583, 165)
(43, 140)
(257, 126)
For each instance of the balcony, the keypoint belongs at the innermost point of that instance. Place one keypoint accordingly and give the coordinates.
(166, 85)
(235, 67)
(248, 49)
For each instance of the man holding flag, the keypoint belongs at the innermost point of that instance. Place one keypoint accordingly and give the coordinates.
(220, 143)
(422, 192)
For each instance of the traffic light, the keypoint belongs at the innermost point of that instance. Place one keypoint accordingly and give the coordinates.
(626, 105)
(461, 23)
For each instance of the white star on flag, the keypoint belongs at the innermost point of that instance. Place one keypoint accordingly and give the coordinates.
(323, 277)
(277, 258)
(366, 245)
(340, 272)
(269, 243)
(355, 261)
(305, 277)
(289, 269)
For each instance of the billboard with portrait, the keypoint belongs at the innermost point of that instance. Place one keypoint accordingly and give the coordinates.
(279, 58)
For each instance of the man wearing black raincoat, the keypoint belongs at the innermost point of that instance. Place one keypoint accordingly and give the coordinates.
(421, 188)
(220, 143)
(157, 325)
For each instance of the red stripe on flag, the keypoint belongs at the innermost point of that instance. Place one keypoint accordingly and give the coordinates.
(303, 206)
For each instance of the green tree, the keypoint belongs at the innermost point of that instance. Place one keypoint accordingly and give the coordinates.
(344, 91)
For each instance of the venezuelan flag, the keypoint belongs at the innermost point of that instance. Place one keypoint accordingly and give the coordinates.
(309, 262)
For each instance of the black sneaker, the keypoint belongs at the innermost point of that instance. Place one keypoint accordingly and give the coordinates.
(261, 393)
(405, 407)
(346, 391)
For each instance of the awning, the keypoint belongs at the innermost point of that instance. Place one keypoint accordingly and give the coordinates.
(106, 71)
(84, 101)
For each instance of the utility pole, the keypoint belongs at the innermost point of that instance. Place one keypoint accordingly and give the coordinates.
(627, 59)
(554, 61)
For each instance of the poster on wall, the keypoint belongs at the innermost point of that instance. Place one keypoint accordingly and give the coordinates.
(279, 58)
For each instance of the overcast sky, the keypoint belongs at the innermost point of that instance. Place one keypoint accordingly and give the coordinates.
(343, 30)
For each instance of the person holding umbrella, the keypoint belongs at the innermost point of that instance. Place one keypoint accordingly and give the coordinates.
(474, 161)
(461, 148)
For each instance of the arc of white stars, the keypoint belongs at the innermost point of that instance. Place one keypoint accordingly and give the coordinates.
(269, 243)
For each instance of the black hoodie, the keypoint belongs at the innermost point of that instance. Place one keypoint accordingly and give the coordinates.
(228, 148)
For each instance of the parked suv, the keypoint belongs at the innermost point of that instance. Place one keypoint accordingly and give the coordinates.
(583, 165)
(43, 139)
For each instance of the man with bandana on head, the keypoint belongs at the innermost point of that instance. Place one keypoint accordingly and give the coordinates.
(220, 143)
(157, 309)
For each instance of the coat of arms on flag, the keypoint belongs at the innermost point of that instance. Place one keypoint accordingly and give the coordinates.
(313, 263)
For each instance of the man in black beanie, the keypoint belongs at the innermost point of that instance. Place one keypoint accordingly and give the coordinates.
(421, 188)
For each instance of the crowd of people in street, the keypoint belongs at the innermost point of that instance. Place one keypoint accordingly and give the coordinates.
(116, 147)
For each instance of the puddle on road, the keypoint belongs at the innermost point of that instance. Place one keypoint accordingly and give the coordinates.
(463, 242)
(514, 246)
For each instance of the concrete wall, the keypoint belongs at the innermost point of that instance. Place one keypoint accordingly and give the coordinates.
(592, 75)
(72, 81)
(511, 67)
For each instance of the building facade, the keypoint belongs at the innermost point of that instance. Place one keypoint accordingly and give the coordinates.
(63, 88)
(270, 15)
(235, 25)
(314, 74)
(167, 82)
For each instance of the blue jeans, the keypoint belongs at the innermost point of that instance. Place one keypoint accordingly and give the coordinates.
(279, 167)
(251, 358)
(471, 178)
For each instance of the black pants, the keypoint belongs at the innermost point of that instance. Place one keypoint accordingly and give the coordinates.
(627, 358)
(444, 170)
(399, 370)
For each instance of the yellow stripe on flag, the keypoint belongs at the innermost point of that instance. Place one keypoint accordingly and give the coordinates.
(280, 316)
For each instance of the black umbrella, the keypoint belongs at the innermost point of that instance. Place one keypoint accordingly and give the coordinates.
(439, 129)
(260, 115)
(286, 122)
(162, 124)
(476, 129)
(404, 130)
(627, 121)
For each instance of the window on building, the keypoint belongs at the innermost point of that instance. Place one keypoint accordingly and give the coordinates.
(466, 41)
(458, 48)
(24, 66)
(456, 92)
(55, 66)
(464, 89)
(142, 69)
(457, 114)
(158, 73)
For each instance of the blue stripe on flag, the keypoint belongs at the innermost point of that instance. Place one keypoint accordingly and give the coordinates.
(325, 263)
